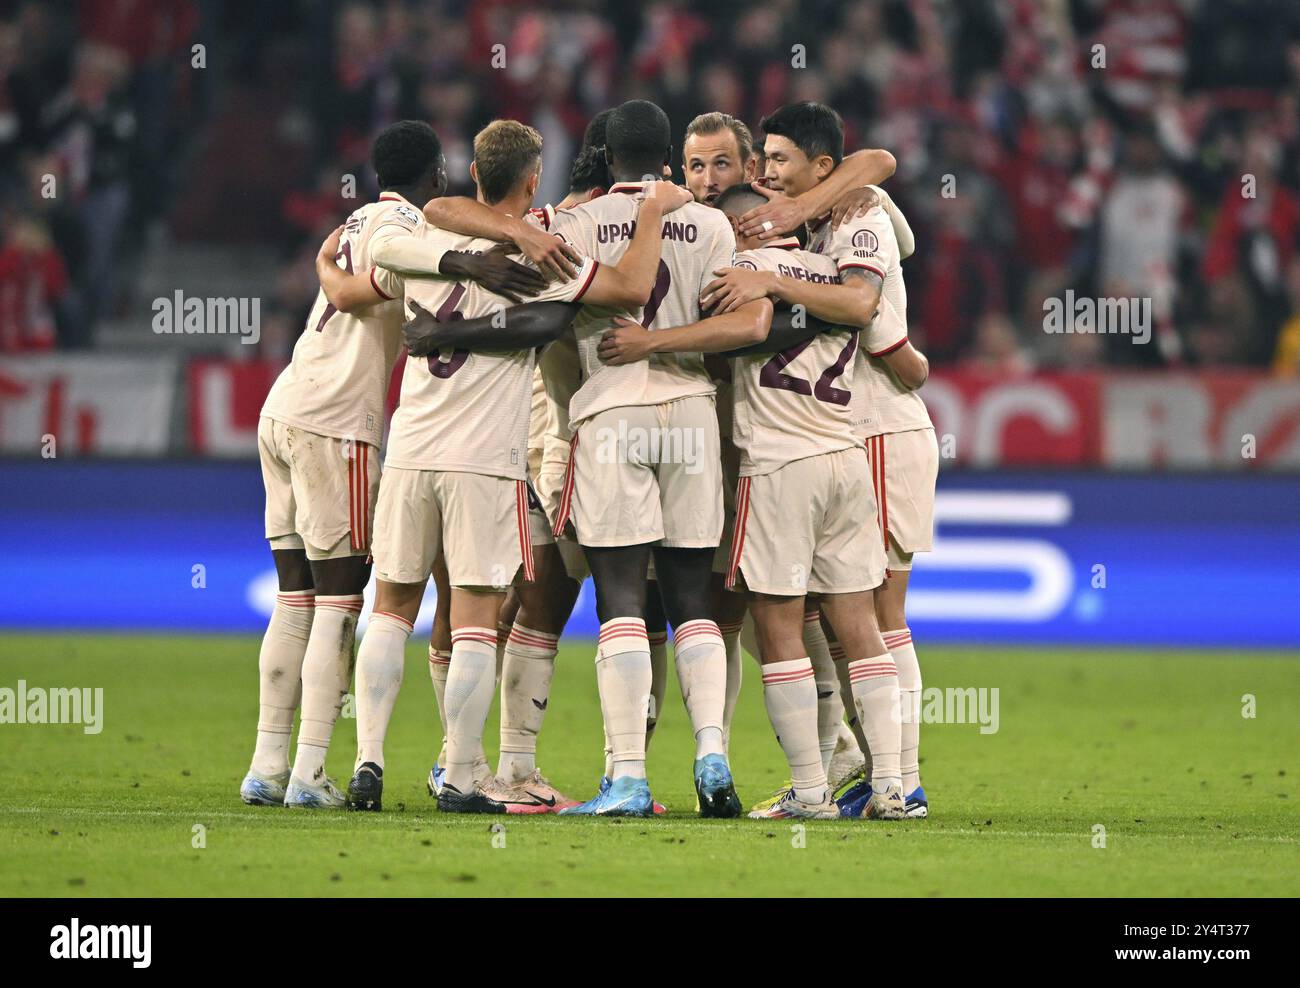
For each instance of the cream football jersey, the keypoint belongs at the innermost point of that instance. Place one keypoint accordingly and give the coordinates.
(461, 411)
(337, 381)
(869, 243)
(795, 403)
(561, 377)
(696, 240)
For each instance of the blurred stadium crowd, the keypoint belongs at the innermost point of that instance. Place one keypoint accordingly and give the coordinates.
(1026, 166)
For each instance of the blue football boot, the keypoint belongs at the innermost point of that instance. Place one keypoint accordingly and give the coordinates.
(624, 796)
(855, 800)
(917, 807)
(714, 788)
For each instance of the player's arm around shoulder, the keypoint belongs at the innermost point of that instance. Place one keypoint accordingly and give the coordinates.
(628, 341)
(345, 290)
(460, 214)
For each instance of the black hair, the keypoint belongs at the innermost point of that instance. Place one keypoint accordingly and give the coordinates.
(639, 136)
(589, 171)
(404, 153)
(595, 135)
(739, 199)
(814, 128)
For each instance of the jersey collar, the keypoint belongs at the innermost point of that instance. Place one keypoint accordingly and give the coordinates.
(392, 197)
(784, 243)
(629, 187)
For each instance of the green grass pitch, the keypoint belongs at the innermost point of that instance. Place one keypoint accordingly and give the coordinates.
(1195, 798)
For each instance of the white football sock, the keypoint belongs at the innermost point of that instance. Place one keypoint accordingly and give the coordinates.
(850, 706)
(525, 693)
(830, 708)
(439, 660)
(279, 666)
(735, 675)
(471, 680)
(623, 676)
(326, 675)
(790, 694)
(702, 674)
(658, 680)
(875, 694)
(901, 648)
(380, 662)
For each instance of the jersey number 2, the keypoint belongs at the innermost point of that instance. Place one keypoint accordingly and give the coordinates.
(773, 374)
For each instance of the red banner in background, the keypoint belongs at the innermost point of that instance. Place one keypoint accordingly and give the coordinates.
(87, 405)
(225, 402)
(1039, 420)
(1228, 420)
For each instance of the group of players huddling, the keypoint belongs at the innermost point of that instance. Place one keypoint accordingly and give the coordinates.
(703, 398)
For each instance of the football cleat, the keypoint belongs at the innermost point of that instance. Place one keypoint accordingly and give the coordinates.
(846, 765)
(624, 797)
(778, 794)
(714, 788)
(660, 808)
(366, 790)
(791, 807)
(310, 796)
(436, 776)
(263, 790)
(917, 807)
(513, 798)
(886, 805)
(452, 800)
(536, 788)
(854, 799)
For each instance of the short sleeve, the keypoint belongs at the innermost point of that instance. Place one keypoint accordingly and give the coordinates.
(388, 284)
(886, 332)
(573, 289)
(864, 243)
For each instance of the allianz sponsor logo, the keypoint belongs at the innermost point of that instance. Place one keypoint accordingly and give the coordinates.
(1044, 567)
(177, 314)
(58, 705)
(102, 942)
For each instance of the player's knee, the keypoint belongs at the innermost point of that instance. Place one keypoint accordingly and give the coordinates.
(292, 570)
(341, 577)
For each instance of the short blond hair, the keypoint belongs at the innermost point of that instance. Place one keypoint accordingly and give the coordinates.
(716, 122)
(504, 152)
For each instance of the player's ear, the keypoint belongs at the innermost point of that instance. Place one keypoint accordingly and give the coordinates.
(596, 193)
(823, 166)
(751, 168)
(473, 171)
